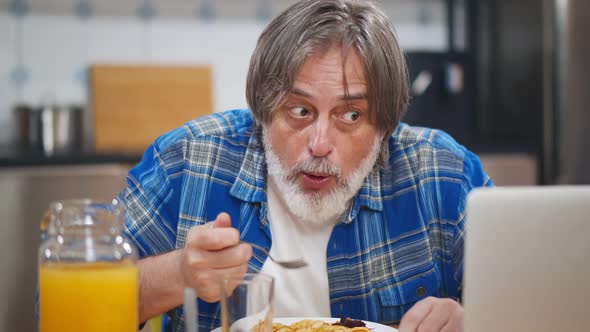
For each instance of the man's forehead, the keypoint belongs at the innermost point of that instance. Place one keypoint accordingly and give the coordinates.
(359, 93)
(336, 58)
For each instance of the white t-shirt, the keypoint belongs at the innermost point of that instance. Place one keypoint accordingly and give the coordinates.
(302, 292)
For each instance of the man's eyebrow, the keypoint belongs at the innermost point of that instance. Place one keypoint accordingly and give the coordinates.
(299, 92)
(354, 96)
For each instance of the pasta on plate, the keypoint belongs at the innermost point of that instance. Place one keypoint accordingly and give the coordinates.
(309, 325)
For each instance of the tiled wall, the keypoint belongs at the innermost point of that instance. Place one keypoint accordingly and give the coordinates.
(47, 45)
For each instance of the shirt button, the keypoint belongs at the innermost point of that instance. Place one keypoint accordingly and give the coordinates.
(420, 291)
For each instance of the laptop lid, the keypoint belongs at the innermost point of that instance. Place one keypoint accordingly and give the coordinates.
(527, 260)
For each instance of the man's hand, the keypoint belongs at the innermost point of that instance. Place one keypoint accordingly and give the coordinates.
(210, 252)
(433, 314)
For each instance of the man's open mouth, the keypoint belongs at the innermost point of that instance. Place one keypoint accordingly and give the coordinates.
(316, 181)
(316, 176)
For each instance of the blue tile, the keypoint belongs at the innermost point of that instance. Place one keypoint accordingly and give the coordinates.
(81, 76)
(146, 11)
(20, 76)
(263, 12)
(19, 8)
(206, 11)
(84, 10)
(424, 16)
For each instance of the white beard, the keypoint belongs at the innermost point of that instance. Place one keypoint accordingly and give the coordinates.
(317, 208)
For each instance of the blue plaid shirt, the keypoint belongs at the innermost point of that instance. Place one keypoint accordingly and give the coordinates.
(401, 241)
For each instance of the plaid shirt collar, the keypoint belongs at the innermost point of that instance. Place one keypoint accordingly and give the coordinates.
(250, 184)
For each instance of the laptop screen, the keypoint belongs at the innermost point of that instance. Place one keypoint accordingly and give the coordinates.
(527, 260)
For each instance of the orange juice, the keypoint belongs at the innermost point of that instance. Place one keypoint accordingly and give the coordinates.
(88, 297)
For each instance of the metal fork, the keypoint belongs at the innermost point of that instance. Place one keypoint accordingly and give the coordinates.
(294, 264)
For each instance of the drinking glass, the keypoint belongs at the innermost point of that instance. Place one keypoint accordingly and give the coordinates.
(246, 303)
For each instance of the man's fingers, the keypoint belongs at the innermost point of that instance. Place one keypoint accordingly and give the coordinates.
(455, 323)
(229, 281)
(230, 257)
(222, 220)
(212, 239)
(201, 260)
(412, 319)
(439, 316)
(215, 235)
(433, 314)
(209, 284)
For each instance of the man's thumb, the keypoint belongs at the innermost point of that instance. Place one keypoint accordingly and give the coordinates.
(222, 220)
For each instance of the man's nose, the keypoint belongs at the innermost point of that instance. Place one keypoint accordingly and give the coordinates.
(320, 142)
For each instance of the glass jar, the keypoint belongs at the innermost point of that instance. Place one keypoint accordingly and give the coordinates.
(88, 279)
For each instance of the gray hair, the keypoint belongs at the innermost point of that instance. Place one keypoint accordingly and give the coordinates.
(314, 26)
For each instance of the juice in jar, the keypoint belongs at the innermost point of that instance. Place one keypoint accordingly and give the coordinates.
(88, 297)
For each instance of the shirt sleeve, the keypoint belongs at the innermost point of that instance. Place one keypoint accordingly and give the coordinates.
(152, 199)
(474, 176)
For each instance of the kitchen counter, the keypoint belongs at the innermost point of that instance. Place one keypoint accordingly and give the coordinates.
(14, 157)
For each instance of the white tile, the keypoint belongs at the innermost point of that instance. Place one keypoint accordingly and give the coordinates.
(178, 41)
(118, 40)
(406, 11)
(244, 10)
(7, 51)
(230, 48)
(225, 45)
(431, 37)
(58, 7)
(177, 9)
(413, 34)
(54, 50)
(7, 90)
(67, 91)
(126, 8)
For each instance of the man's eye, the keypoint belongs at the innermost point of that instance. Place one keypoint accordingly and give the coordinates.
(299, 111)
(352, 116)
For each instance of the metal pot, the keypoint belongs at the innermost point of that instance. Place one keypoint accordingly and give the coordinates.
(51, 129)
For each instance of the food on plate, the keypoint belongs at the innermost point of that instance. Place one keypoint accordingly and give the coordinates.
(312, 325)
(349, 322)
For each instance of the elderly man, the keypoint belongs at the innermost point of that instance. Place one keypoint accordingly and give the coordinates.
(320, 167)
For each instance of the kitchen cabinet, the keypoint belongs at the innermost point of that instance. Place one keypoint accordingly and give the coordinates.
(511, 169)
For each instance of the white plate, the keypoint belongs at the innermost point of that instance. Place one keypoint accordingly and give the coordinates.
(374, 327)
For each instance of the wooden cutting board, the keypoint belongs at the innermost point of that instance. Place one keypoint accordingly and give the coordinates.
(134, 104)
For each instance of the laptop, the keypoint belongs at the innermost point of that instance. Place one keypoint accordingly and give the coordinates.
(527, 260)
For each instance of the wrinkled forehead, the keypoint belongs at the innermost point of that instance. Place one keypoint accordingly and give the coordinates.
(346, 61)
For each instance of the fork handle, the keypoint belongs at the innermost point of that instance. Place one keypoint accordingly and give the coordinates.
(264, 250)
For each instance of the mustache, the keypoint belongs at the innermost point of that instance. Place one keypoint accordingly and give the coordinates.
(315, 165)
